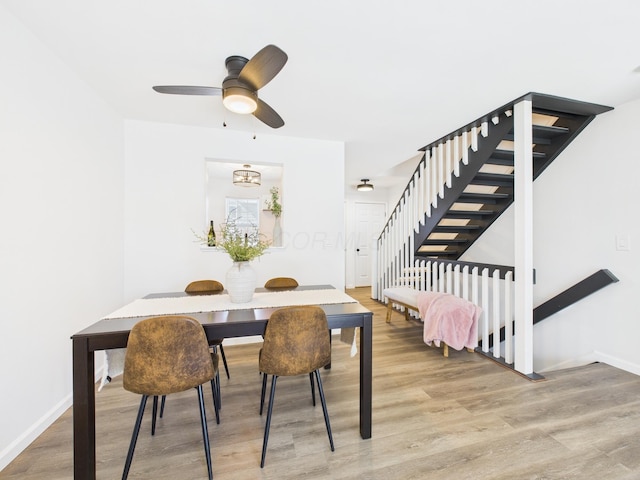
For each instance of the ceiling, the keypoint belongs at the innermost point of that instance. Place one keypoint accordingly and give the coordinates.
(385, 78)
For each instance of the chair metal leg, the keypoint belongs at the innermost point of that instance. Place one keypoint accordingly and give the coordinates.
(264, 389)
(205, 431)
(324, 408)
(328, 365)
(268, 424)
(224, 360)
(155, 414)
(164, 397)
(218, 391)
(214, 394)
(134, 437)
(313, 389)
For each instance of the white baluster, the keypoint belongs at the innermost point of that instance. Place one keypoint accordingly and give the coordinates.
(456, 156)
(421, 204)
(474, 138)
(465, 148)
(449, 161)
(485, 307)
(508, 318)
(475, 294)
(495, 306)
(465, 282)
(456, 281)
(484, 129)
(428, 180)
(441, 170)
(441, 278)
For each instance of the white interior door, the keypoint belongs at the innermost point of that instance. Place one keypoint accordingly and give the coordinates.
(370, 218)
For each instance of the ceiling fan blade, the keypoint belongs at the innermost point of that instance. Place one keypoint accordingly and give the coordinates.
(187, 90)
(264, 65)
(268, 115)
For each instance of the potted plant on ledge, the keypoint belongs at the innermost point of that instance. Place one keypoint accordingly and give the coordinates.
(275, 207)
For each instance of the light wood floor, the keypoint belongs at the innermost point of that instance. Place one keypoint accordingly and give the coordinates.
(458, 418)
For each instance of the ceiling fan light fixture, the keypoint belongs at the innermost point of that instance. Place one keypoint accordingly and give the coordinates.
(365, 186)
(239, 100)
(246, 178)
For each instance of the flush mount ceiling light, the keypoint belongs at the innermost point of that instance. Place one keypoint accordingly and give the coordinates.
(239, 100)
(364, 186)
(246, 177)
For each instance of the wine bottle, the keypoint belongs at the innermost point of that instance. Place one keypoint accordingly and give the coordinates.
(211, 237)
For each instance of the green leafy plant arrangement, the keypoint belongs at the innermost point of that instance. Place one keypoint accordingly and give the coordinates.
(274, 204)
(242, 246)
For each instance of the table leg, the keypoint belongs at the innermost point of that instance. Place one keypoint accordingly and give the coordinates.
(84, 411)
(366, 354)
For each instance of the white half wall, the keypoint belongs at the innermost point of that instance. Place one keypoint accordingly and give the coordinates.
(165, 200)
(582, 202)
(61, 248)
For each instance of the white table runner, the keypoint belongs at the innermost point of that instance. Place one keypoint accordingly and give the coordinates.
(145, 307)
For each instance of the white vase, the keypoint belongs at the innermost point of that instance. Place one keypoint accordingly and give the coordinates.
(277, 233)
(241, 282)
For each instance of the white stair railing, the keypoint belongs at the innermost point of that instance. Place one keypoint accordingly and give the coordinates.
(489, 287)
(433, 175)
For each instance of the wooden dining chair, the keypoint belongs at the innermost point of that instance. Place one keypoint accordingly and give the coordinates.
(210, 287)
(167, 355)
(281, 282)
(296, 342)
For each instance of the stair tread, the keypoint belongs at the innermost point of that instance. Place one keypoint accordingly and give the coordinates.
(484, 195)
(468, 213)
(452, 241)
(456, 228)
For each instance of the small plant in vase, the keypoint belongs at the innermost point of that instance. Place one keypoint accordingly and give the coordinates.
(274, 204)
(242, 245)
(276, 208)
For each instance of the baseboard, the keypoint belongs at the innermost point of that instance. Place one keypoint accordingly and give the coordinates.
(16, 447)
(571, 363)
(23, 441)
(592, 357)
(618, 363)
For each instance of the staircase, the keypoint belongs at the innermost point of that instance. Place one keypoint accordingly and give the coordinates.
(482, 189)
(461, 185)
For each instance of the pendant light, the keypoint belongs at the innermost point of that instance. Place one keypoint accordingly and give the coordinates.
(365, 186)
(246, 177)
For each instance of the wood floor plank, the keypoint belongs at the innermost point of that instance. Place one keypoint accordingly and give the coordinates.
(461, 417)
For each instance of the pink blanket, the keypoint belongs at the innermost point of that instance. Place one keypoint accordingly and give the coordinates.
(449, 319)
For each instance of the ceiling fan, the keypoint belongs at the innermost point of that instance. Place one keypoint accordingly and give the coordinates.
(240, 87)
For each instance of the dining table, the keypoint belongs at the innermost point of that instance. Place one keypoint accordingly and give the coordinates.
(219, 320)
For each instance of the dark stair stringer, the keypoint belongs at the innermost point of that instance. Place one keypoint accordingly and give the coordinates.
(549, 141)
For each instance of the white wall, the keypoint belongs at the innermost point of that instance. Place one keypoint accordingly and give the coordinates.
(165, 199)
(61, 249)
(586, 197)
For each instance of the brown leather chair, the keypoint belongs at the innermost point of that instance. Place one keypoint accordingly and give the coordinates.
(209, 287)
(166, 355)
(281, 282)
(296, 342)
(204, 287)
